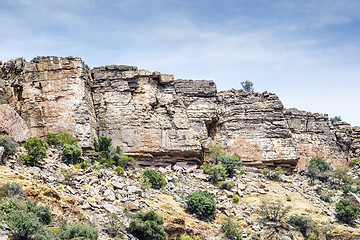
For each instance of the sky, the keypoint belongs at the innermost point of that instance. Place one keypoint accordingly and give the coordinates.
(305, 51)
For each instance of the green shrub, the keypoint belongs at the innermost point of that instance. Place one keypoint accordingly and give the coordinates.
(69, 176)
(23, 225)
(227, 185)
(272, 175)
(103, 144)
(52, 138)
(11, 190)
(36, 148)
(247, 86)
(347, 188)
(202, 204)
(217, 172)
(353, 162)
(324, 195)
(216, 151)
(41, 211)
(9, 205)
(96, 166)
(156, 179)
(71, 153)
(288, 198)
(107, 162)
(230, 163)
(119, 171)
(347, 211)
(335, 119)
(82, 165)
(9, 145)
(125, 161)
(318, 164)
(60, 139)
(148, 225)
(305, 225)
(114, 225)
(273, 211)
(341, 174)
(231, 229)
(78, 232)
(236, 198)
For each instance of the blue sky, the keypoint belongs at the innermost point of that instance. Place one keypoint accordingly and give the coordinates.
(305, 51)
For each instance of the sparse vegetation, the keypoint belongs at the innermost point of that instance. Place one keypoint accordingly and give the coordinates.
(78, 231)
(156, 179)
(231, 229)
(247, 86)
(335, 119)
(273, 211)
(216, 151)
(347, 189)
(11, 190)
(216, 172)
(230, 163)
(347, 211)
(103, 144)
(305, 225)
(148, 225)
(119, 171)
(272, 175)
(202, 204)
(354, 161)
(36, 148)
(71, 153)
(236, 198)
(227, 185)
(60, 139)
(318, 164)
(9, 145)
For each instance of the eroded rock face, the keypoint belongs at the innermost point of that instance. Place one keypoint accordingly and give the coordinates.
(11, 123)
(150, 116)
(253, 125)
(53, 94)
(158, 119)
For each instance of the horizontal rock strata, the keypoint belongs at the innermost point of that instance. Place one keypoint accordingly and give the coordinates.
(158, 119)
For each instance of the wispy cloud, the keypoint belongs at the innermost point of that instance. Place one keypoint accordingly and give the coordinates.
(301, 50)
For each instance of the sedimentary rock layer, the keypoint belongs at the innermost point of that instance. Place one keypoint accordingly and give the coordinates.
(158, 119)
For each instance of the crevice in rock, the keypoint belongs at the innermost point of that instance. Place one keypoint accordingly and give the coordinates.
(211, 126)
(18, 90)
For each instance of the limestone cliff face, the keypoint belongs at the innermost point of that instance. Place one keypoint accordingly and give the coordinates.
(151, 116)
(254, 126)
(52, 95)
(158, 119)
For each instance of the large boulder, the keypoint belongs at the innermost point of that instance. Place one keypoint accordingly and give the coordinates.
(12, 124)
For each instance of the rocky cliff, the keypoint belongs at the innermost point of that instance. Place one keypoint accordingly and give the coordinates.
(158, 119)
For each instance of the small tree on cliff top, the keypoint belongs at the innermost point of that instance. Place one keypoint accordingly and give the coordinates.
(247, 86)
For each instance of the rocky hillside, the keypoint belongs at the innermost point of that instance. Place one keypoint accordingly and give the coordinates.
(159, 120)
(92, 194)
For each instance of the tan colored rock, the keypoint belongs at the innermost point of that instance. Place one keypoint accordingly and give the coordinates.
(12, 124)
(253, 125)
(164, 122)
(56, 97)
(159, 120)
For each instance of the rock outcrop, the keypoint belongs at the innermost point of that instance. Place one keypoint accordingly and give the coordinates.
(158, 119)
(52, 95)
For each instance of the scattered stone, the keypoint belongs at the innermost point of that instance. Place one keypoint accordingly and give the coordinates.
(131, 206)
